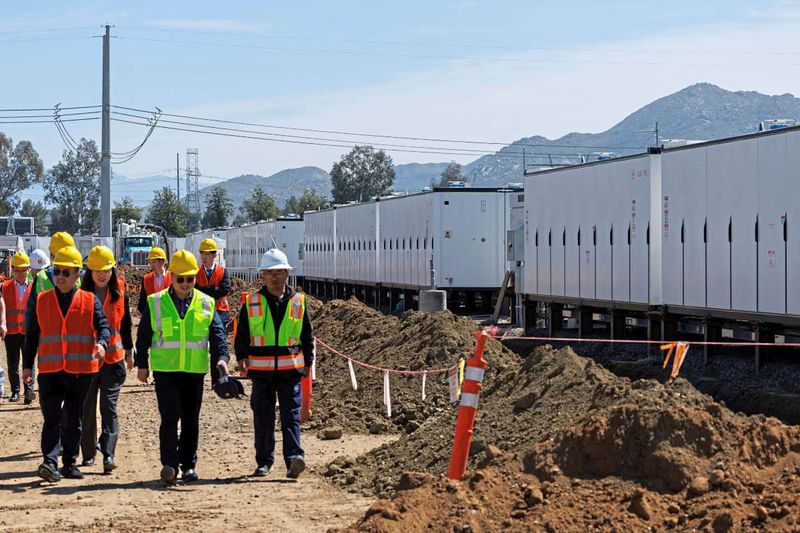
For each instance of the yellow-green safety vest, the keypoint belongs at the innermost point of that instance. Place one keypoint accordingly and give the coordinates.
(266, 353)
(180, 344)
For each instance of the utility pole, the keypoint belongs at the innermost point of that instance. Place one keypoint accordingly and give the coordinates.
(105, 170)
(178, 174)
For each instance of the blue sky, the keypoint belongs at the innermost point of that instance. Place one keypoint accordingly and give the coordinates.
(476, 70)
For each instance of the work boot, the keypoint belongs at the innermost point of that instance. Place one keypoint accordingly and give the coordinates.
(14, 397)
(169, 475)
(87, 461)
(190, 475)
(48, 473)
(296, 468)
(29, 397)
(71, 472)
(109, 465)
(262, 471)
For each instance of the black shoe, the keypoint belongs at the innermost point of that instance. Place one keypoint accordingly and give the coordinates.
(87, 461)
(71, 472)
(168, 475)
(14, 397)
(29, 397)
(109, 465)
(261, 471)
(190, 475)
(296, 468)
(48, 473)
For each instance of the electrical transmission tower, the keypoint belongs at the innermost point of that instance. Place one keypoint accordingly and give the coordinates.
(192, 181)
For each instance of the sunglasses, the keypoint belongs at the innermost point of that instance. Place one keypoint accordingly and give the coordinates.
(184, 279)
(66, 272)
(212, 252)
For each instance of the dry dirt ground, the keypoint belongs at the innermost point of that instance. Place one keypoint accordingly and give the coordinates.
(132, 498)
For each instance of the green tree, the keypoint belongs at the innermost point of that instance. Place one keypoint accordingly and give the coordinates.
(450, 174)
(125, 211)
(73, 187)
(260, 206)
(219, 208)
(361, 174)
(20, 167)
(311, 201)
(38, 211)
(291, 206)
(168, 212)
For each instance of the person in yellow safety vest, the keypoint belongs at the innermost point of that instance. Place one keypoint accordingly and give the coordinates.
(39, 261)
(156, 280)
(70, 334)
(178, 332)
(214, 280)
(101, 279)
(44, 280)
(275, 343)
(15, 299)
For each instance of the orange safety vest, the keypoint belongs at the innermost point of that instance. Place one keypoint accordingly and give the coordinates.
(149, 281)
(114, 312)
(67, 342)
(216, 279)
(15, 310)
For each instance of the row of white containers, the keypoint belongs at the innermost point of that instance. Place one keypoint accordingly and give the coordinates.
(445, 238)
(245, 245)
(711, 225)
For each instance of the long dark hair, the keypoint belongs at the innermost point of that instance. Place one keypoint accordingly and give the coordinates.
(87, 284)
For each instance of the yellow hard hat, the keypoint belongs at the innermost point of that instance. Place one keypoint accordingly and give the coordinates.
(68, 256)
(20, 260)
(100, 258)
(59, 240)
(208, 245)
(157, 253)
(183, 263)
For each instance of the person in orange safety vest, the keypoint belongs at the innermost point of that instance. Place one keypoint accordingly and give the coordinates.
(69, 330)
(214, 280)
(15, 296)
(101, 279)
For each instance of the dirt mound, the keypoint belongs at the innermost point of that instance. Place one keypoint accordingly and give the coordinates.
(415, 341)
(661, 442)
(616, 455)
(519, 405)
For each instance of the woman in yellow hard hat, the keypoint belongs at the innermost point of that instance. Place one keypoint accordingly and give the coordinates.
(101, 279)
(68, 329)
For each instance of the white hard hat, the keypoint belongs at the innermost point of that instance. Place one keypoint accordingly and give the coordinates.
(273, 259)
(39, 259)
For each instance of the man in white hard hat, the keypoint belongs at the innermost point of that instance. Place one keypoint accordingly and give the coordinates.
(39, 261)
(275, 343)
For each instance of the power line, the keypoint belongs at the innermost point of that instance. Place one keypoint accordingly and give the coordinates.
(27, 109)
(520, 48)
(13, 41)
(376, 135)
(48, 30)
(46, 121)
(455, 58)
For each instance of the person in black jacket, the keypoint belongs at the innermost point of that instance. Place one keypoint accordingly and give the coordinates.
(275, 343)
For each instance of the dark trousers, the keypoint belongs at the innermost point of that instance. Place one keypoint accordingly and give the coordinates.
(107, 384)
(262, 401)
(179, 396)
(61, 397)
(225, 317)
(14, 356)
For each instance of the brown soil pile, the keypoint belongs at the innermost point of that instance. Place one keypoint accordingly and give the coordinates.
(620, 456)
(415, 341)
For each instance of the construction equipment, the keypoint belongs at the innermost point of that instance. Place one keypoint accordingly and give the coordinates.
(134, 242)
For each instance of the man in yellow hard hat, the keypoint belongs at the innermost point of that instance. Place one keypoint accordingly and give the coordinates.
(70, 333)
(44, 280)
(178, 332)
(214, 280)
(15, 297)
(156, 280)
